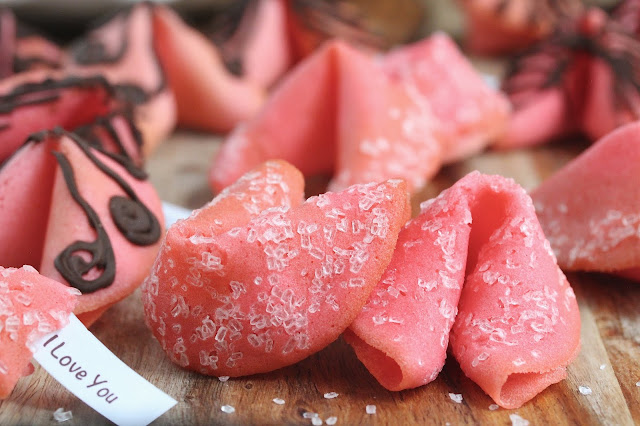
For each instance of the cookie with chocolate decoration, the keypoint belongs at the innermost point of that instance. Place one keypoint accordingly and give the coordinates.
(122, 48)
(41, 99)
(22, 48)
(82, 213)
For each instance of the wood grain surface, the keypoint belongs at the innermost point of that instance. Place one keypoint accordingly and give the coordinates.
(609, 362)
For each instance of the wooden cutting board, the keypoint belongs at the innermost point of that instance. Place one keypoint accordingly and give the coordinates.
(609, 362)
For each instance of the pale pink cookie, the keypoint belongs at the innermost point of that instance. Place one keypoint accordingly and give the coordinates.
(84, 216)
(123, 50)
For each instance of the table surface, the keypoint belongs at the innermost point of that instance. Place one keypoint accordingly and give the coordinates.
(609, 362)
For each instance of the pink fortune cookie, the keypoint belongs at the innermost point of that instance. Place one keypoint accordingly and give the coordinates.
(477, 250)
(37, 100)
(84, 216)
(124, 51)
(207, 96)
(499, 26)
(580, 80)
(590, 209)
(31, 306)
(366, 118)
(277, 288)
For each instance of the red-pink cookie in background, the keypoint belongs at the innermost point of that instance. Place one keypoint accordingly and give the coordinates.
(590, 209)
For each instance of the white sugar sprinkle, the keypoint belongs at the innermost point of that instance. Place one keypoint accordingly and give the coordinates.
(494, 407)
(316, 421)
(331, 420)
(331, 395)
(638, 384)
(223, 378)
(456, 397)
(603, 366)
(516, 420)
(371, 409)
(309, 415)
(62, 416)
(278, 401)
(585, 390)
(227, 409)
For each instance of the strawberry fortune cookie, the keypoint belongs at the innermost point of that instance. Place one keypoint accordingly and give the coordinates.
(518, 324)
(93, 221)
(276, 289)
(434, 72)
(485, 227)
(36, 100)
(123, 50)
(31, 306)
(590, 209)
(401, 334)
(207, 96)
(369, 119)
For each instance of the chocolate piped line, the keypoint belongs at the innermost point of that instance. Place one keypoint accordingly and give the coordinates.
(70, 263)
(134, 220)
(22, 95)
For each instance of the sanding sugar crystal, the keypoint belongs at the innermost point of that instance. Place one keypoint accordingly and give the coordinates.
(456, 397)
(62, 416)
(638, 384)
(585, 390)
(516, 420)
(223, 378)
(309, 415)
(316, 421)
(227, 409)
(331, 395)
(494, 407)
(371, 409)
(603, 366)
(331, 420)
(278, 401)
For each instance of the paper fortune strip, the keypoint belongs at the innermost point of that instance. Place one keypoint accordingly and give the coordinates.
(83, 365)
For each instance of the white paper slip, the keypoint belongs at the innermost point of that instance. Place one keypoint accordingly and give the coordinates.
(83, 365)
(172, 213)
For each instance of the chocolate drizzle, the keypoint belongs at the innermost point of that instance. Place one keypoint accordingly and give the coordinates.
(132, 218)
(47, 91)
(70, 263)
(92, 51)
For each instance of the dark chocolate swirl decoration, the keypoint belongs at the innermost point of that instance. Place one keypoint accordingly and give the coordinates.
(132, 218)
(71, 264)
